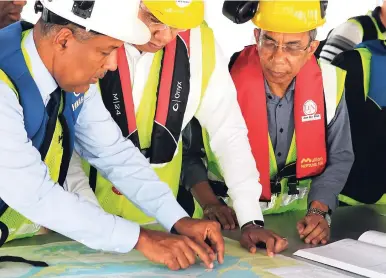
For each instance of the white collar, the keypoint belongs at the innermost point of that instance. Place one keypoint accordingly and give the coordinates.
(42, 77)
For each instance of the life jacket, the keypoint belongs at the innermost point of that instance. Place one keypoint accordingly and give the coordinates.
(157, 125)
(287, 188)
(53, 137)
(309, 113)
(366, 102)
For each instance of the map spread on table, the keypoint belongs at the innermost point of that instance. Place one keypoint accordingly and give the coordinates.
(72, 259)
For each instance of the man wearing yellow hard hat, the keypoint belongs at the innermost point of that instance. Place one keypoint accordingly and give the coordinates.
(282, 90)
(158, 89)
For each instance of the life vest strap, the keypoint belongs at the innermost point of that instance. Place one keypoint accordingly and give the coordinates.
(3, 238)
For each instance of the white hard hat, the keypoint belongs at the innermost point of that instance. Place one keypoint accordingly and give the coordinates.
(114, 18)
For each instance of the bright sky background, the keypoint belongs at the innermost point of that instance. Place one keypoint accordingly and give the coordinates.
(234, 37)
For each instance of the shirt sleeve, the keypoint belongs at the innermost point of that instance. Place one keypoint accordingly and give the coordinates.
(326, 187)
(342, 38)
(27, 188)
(77, 182)
(194, 170)
(220, 114)
(99, 140)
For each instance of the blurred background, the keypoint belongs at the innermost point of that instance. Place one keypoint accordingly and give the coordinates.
(232, 37)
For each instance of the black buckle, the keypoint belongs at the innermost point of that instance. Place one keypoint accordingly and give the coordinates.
(293, 185)
(276, 186)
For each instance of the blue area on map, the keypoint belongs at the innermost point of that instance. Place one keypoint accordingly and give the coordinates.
(146, 269)
(232, 266)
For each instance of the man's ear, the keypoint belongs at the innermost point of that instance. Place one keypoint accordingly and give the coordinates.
(313, 47)
(62, 38)
(257, 32)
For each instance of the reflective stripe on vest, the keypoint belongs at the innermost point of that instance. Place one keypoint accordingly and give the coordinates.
(52, 137)
(150, 111)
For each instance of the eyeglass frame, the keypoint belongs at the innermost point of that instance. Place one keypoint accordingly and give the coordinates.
(284, 47)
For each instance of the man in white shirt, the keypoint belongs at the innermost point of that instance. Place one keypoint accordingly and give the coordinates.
(190, 65)
(41, 121)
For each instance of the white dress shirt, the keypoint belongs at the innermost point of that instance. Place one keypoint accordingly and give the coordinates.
(220, 114)
(26, 185)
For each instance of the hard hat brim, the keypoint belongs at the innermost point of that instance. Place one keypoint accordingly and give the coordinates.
(180, 21)
(137, 33)
(126, 27)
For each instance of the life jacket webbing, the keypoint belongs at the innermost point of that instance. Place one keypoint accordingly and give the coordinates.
(124, 74)
(309, 116)
(172, 97)
(165, 84)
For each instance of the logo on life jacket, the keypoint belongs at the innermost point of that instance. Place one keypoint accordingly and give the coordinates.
(310, 163)
(77, 103)
(116, 191)
(117, 104)
(176, 97)
(310, 108)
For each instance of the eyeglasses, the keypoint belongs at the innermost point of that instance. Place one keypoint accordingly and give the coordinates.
(153, 23)
(270, 46)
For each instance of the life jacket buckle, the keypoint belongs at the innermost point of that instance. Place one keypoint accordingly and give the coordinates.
(293, 186)
(276, 186)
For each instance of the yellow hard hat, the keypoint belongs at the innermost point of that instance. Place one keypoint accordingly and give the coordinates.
(287, 16)
(181, 14)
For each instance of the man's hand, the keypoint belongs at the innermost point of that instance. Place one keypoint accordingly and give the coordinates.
(174, 251)
(252, 235)
(201, 231)
(223, 214)
(314, 229)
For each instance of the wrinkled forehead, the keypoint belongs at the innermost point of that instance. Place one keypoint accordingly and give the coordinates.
(285, 37)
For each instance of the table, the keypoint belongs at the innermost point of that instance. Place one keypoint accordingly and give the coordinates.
(347, 222)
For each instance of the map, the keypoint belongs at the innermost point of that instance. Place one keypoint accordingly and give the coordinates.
(72, 259)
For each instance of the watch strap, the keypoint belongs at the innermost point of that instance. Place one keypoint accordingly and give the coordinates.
(316, 211)
(257, 223)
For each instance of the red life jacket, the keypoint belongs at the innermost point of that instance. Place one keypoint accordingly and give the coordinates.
(309, 113)
(172, 97)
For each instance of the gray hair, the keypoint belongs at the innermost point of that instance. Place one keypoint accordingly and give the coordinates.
(313, 33)
(79, 33)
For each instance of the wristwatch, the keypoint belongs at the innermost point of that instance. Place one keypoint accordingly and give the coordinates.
(326, 215)
(257, 223)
